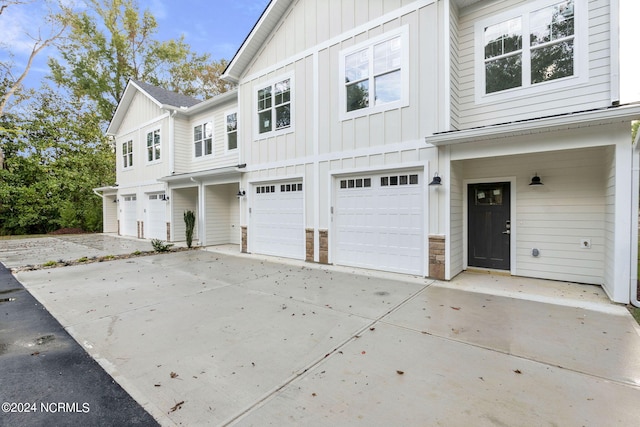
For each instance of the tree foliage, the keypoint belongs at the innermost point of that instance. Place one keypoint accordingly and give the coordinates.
(55, 154)
(112, 42)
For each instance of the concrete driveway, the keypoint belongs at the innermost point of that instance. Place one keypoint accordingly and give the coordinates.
(207, 338)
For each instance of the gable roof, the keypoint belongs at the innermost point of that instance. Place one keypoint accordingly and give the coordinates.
(259, 34)
(166, 97)
(161, 97)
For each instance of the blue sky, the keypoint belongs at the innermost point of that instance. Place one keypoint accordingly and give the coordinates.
(216, 27)
(219, 27)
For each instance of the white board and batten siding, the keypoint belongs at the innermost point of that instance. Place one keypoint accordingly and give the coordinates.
(553, 218)
(379, 221)
(589, 89)
(277, 219)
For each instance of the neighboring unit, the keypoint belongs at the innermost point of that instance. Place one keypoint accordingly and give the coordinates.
(421, 137)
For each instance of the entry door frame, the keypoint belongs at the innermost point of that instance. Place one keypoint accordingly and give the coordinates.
(465, 218)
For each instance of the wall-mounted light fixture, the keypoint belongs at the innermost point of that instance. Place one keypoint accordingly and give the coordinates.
(436, 180)
(536, 180)
(241, 194)
(164, 198)
(115, 200)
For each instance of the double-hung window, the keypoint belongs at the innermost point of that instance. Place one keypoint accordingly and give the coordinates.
(374, 75)
(231, 120)
(127, 154)
(203, 139)
(274, 109)
(535, 44)
(153, 145)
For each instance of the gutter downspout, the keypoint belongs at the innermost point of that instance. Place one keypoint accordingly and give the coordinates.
(98, 194)
(635, 187)
(172, 114)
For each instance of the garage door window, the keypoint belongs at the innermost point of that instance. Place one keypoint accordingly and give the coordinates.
(355, 183)
(392, 180)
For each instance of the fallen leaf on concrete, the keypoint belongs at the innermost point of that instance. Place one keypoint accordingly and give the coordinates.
(364, 352)
(481, 378)
(156, 385)
(400, 372)
(173, 375)
(456, 308)
(313, 394)
(518, 371)
(176, 406)
(372, 329)
(35, 353)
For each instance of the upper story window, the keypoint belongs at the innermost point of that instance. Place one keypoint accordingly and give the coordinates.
(231, 120)
(203, 139)
(375, 75)
(534, 44)
(153, 145)
(273, 107)
(127, 154)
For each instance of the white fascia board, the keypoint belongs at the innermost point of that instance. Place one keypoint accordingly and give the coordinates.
(568, 121)
(209, 103)
(210, 173)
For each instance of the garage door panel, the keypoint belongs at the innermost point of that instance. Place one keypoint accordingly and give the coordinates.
(381, 226)
(278, 220)
(128, 218)
(155, 225)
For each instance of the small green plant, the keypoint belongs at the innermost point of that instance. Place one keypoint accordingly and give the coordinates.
(83, 259)
(190, 223)
(109, 257)
(49, 264)
(160, 246)
(136, 252)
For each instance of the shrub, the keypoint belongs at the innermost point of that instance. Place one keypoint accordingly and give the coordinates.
(190, 222)
(160, 246)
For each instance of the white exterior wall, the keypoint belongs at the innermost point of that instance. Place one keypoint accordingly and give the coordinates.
(185, 160)
(595, 92)
(578, 200)
(320, 144)
(182, 200)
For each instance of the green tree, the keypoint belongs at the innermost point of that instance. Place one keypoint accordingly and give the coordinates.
(55, 154)
(112, 42)
(634, 129)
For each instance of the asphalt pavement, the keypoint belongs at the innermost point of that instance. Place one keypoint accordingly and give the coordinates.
(46, 377)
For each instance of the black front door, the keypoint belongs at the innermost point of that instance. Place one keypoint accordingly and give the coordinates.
(489, 225)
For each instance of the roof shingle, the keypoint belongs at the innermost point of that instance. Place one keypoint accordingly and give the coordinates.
(164, 96)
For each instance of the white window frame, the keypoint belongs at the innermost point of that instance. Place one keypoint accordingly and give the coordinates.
(273, 132)
(153, 146)
(580, 53)
(213, 139)
(403, 33)
(226, 132)
(127, 156)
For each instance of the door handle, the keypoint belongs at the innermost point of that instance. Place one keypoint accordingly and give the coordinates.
(506, 232)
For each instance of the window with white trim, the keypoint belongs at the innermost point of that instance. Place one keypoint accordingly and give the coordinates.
(535, 44)
(153, 145)
(375, 75)
(127, 154)
(203, 139)
(231, 120)
(274, 109)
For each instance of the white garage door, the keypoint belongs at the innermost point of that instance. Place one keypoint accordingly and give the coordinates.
(379, 222)
(278, 220)
(156, 222)
(128, 221)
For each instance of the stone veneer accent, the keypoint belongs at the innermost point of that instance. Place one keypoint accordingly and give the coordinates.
(309, 240)
(243, 230)
(324, 246)
(168, 231)
(140, 229)
(119, 228)
(436, 257)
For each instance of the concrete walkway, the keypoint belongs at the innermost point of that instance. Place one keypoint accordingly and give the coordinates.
(207, 338)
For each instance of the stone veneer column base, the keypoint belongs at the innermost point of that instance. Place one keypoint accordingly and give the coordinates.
(309, 241)
(119, 228)
(324, 246)
(437, 257)
(140, 229)
(243, 246)
(168, 231)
